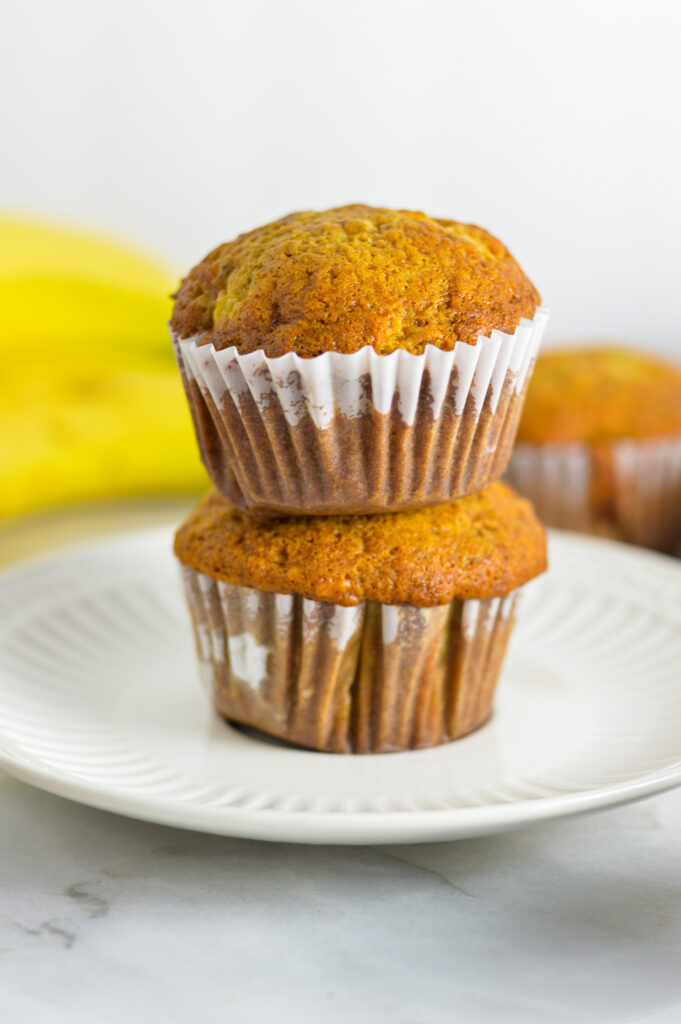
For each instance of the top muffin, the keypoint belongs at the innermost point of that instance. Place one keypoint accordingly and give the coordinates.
(599, 395)
(353, 276)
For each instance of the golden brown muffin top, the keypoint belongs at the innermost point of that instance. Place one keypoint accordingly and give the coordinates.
(598, 395)
(353, 276)
(482, 546)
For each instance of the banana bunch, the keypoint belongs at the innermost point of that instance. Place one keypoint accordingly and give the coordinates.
(91, 403)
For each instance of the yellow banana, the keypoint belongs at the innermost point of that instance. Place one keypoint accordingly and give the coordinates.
(73, 436)
(70, 295)
(91, 404)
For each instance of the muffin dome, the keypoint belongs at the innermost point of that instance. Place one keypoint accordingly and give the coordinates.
(354, 276)
(479, 547)
(599, 395)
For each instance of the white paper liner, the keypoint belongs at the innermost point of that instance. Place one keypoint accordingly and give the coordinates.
(557, 480)
(277, 434)
(643, 500)
(366, 678)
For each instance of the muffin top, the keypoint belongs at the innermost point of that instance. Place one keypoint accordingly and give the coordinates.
(353, 276)
(595, 395)
(481, 546)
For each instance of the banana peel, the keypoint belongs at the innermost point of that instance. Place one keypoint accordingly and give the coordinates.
(77, 435)
(82, 321)
(91, 403)
(76, 296)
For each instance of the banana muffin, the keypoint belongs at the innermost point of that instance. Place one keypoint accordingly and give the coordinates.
(358, 633)
(599, 445)
(356, 360)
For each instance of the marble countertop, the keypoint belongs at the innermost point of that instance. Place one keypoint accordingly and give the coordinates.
(107, 919)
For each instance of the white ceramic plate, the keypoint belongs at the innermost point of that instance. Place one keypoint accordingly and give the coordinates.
(100, 701)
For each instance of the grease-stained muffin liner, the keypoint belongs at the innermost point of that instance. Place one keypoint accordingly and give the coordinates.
(358, 432)
(629, 489)
(364, 679)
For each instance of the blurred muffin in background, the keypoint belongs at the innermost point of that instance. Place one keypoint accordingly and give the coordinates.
(358, 634)
(599, 445)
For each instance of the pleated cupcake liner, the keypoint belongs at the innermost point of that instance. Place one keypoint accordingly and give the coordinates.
(365, 679)
(358, 432)
(629, 490)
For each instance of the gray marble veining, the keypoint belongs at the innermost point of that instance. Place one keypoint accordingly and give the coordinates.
(107, 919)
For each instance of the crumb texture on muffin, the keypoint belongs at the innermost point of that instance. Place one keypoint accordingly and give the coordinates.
(479, 547)
(596, 395)
(353, 276)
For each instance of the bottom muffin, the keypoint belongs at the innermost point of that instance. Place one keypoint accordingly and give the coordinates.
(359, 634)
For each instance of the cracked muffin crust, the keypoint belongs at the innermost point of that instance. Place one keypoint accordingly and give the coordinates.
(479, 547)
(337, 280)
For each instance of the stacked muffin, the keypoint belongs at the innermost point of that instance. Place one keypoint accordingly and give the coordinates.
(355, 379)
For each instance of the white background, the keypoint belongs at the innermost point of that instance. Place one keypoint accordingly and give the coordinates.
(178, 124)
